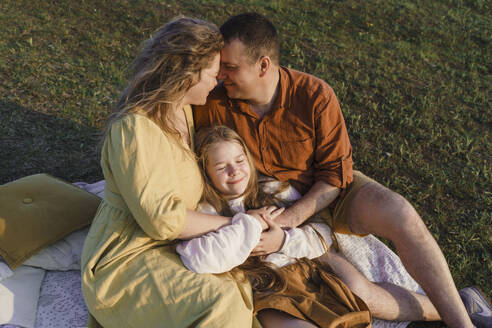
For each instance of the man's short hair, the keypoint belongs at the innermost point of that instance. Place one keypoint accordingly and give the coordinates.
(256, 32)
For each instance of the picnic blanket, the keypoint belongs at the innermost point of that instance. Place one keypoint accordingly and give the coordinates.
(53, 298)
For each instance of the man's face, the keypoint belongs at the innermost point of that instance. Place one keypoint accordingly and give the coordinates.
(239, 74)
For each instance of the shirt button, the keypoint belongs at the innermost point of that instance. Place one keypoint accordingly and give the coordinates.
(27, 200)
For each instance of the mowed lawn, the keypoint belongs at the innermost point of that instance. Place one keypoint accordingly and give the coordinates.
(414, 79)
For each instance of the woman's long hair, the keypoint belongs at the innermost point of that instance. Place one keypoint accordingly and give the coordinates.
(168, 65)
(263, 276)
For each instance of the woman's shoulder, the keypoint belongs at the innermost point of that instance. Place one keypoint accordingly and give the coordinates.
(136, 130)
(135, 120)
(138, 125)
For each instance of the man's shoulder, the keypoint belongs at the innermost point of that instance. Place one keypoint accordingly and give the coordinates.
(305, 83)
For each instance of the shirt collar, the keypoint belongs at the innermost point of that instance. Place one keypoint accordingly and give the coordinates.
(284, 92)
(237, 205)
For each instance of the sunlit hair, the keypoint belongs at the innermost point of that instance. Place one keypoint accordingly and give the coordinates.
(263, 276)
(168, 65)
(256, 32)
(205, 139)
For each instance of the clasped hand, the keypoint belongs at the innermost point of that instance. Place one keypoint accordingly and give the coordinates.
(272, 238)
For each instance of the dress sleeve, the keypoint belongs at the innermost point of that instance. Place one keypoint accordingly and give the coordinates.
(141, 160)
(221, 250)
(333, 153)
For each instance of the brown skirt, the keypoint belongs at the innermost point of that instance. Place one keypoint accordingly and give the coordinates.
(315, 294)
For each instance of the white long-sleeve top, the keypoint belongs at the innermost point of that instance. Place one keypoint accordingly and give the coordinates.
(230, 246)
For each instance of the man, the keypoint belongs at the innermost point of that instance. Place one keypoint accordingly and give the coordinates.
(293, 125)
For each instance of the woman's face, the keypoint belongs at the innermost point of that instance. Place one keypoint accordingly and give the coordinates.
(228, 168)
(197, 94)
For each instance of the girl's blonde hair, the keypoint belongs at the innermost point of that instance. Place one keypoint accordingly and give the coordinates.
(254, 196)
(168, 65)
(263, 276)
(205, 139)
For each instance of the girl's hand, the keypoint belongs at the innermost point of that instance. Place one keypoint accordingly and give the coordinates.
(271, 241)
(268, 212)
(257, 216)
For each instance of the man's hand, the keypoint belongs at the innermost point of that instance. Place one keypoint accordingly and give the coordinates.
(271, 241)
(269, 212)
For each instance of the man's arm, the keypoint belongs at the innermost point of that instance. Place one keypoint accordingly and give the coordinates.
(318, 197)
(332, 160)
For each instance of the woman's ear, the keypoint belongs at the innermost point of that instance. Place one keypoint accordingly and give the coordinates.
(265, 64)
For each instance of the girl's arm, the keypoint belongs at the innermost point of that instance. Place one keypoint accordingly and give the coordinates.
(220, 251)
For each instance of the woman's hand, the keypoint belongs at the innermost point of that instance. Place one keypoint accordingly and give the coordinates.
(266, 212)
(271, 241)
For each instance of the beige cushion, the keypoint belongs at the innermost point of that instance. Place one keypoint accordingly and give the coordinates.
(38, 210)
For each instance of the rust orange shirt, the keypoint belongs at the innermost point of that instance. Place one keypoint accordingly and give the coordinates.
(302, 139)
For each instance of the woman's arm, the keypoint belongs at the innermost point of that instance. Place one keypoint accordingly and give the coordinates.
(198, 224)
(145, 177)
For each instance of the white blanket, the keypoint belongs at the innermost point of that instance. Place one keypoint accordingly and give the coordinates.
(19, 296)
(20, 289)
(60, 297)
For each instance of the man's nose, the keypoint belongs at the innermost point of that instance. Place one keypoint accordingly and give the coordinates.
(222, 74)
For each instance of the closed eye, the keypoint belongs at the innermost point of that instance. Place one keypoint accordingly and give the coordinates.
(229, 67)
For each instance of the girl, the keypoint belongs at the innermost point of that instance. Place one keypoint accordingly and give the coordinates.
(299, 288)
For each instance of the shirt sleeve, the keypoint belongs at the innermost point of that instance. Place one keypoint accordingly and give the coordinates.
(221, 250)
(307, 241)
(333, 153)
(140, 159)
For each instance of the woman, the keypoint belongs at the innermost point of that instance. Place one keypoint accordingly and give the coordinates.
(131, 275)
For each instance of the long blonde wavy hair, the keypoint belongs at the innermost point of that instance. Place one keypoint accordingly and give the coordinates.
(263, 276)
(168, 65)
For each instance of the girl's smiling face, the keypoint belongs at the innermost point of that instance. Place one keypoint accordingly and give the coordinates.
(228, 168)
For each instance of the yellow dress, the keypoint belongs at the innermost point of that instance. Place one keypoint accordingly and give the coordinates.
(131, 274)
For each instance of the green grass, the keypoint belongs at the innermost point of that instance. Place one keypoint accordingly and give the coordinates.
(414, 79)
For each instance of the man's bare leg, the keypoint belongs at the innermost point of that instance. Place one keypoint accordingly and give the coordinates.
(385, 300)
(273, 318)
(379, 211)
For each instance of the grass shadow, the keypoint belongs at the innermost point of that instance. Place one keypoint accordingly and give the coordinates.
(33, 142)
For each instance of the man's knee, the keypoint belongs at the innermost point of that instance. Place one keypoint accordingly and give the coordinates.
(378, 210)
